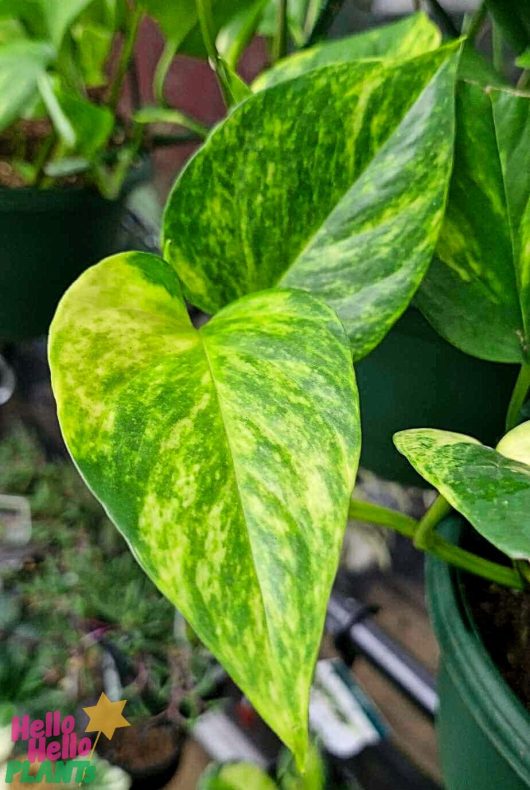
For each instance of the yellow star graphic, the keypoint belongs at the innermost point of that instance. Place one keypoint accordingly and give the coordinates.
(106, 716)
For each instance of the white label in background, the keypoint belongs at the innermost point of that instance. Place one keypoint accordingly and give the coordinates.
(337, 716)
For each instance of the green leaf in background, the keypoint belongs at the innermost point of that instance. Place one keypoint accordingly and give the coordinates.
(179, 23)
(334, 182)
(236, 776)
(407, 38)
(92, 124)
(93, 43)
(514, 20)
(235, 36)
(477, 291)
(516, 443)
(58, 16)
(21, 65)
(523, 61)
(226, 457)
(491, 490)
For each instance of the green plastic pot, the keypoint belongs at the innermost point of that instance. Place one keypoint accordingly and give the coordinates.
(415, 379)
(48, 238)
(483, 729)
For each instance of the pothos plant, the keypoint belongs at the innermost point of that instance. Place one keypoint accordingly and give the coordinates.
(354, 177)
(64, 68)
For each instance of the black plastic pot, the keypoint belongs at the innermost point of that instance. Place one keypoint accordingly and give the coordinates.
(483, 729)
(48, 238)
(415, 379)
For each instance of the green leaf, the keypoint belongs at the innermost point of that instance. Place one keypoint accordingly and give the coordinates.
(334, 182)
(226, 457)
(523, 61)
(236, 776)
(489, 489)
(407, 38)
(92, 124)
(93, 42)
(477, 291)
(516, 444)
(178, 20)
(21, 65)
(234, 37)
(62, 124)
(514, 21)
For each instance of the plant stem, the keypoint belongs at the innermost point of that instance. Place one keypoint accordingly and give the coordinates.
(520, 391)
(460, 558)
(124, 60)
(524, 80)
(204, 13)
(437, 546)
(423, 537)
(279, 41)
(377, 514)
(162, 68)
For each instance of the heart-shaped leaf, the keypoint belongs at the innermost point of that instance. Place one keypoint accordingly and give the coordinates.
(477, 291)
(490, 489)
(407, 38)
(226, 456)
(334, 182)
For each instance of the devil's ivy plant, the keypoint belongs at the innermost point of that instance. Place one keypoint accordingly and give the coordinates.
(305, 224)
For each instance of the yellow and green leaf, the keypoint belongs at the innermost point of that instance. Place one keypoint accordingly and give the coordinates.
(491, 488)
(225, 455)
(411, 36)
(334, 182)
(477, 291)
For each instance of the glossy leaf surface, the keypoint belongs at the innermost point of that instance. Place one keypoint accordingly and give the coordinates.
(477, 291)
(226, 456)
(413, 35)
(334, 182)
(491, 490)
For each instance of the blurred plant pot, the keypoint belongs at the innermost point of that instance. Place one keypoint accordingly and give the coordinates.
(148, 751)
(49, 237)
(415, 379)
(483, 729)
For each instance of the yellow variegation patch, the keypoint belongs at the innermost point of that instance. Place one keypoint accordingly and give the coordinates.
(225, 455)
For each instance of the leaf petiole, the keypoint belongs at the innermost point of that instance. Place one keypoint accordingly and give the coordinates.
(519, 394)
(423, 537)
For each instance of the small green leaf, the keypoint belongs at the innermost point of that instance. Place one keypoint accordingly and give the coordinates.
(93, 42)
(407, 38)
(21, 64)
(234, 37)
(491, 490)
(477, 291)
(516, 444)
(236, 776)
(523, 61)
(334, 182)
(92, 124)
(226, 456)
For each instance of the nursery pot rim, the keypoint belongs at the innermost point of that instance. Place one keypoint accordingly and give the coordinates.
(32, 199)
(490, 701)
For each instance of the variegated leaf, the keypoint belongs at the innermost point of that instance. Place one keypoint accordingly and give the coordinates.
(477, 291)
(334, 182)
(407, 38)
(490, 488)
(226, 456)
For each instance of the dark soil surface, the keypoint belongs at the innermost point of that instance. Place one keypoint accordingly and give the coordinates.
(503, 620)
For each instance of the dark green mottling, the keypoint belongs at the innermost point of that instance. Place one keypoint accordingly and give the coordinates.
(489, 489)
(477, 292)
(334, 182)
(226, 456)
